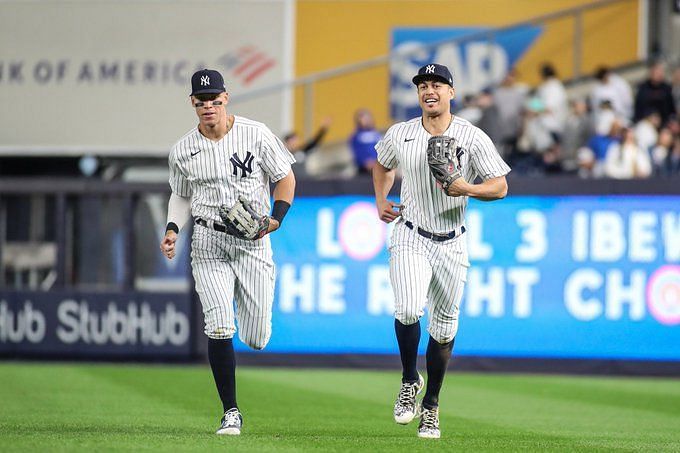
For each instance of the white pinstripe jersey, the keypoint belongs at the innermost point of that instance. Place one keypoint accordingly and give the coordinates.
(425, 204)
(216, 173)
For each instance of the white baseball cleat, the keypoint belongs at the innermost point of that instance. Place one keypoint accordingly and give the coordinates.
(405, 407)
(231, 423)
(429, 423)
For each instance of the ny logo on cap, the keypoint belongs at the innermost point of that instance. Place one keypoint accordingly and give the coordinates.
(205, 80)
(429, 69)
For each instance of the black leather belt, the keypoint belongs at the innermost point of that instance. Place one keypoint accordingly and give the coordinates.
(215, 226)
(436, 237)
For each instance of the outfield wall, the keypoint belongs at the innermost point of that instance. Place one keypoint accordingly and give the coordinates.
(558, 272)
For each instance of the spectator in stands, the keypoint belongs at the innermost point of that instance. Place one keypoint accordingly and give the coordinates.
(577, 130)
(300, 149)
(661, 151)
(554, 97)
(363, 141)
(675, 81)
(646, 130)
(672, 165)
(626, 160)
(470, 110)
(591, 157)
(535, 139)
(655, 94)
(612, 87)
(510, 98)
(489, 121)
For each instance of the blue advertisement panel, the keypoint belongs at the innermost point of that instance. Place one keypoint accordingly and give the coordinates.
(95, 324)
(571, 277)
(476, 64)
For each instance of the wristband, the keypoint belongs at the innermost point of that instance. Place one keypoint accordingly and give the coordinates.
(172, 226)
(280, 209)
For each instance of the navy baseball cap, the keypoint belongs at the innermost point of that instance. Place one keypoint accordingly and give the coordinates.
(434, 71)
(207, 81)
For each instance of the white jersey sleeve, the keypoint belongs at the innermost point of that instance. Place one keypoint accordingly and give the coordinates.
(486, 161)
(276, 159)
(387, 153)
(179, 184)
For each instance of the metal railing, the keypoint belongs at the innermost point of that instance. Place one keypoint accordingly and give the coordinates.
(308, 82)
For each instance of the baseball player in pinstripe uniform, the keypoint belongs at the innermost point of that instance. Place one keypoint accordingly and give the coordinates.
(226, 157)
(428, 254)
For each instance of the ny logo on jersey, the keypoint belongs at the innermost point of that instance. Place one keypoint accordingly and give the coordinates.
(205, 80)
(429, 69)
(246, 166)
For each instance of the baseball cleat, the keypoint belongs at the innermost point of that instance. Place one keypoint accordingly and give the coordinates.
(429, 423)
(231, 423)
(405, 407)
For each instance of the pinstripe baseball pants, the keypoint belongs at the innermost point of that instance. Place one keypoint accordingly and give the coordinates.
(424, 272)
(225, 269)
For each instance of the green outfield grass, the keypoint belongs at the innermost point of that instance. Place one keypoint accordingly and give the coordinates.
(71, 407)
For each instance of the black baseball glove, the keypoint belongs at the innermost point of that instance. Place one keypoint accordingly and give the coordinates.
(443, 158)
(242, 221)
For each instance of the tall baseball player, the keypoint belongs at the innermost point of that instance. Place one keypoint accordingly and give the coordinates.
(220, 173)
(440, 156)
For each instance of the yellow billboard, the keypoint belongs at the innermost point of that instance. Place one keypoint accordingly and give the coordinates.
(332, 34)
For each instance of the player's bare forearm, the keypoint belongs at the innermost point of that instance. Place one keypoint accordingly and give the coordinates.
(489, 190)
(285, 188)
(383, 180)
(284, 191)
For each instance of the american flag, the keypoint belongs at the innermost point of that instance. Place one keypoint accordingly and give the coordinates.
(246, 64)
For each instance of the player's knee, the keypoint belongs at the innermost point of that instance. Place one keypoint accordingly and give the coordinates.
(218, 336)
(219, 333)
(444, 335)
(407, 316)
(257, 343)
(443, 338)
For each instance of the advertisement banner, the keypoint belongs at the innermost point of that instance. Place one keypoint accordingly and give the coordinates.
(95, 324)
(555, 277)
(114, 77)
(476, 64)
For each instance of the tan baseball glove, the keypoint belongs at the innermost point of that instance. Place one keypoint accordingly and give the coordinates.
(242, 221)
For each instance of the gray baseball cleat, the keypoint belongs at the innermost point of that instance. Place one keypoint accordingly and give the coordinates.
(405, 407)
(231, 423)
(429, 423)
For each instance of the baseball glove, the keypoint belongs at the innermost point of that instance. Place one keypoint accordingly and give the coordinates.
(242, 221)
(443, 158)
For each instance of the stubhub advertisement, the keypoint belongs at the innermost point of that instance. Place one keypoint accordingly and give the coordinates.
(572, 277)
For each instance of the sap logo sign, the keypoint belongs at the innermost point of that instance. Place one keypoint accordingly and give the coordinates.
(475, 63)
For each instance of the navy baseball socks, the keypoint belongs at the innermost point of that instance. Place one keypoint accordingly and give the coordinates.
(412, 383)
(223, 365)
(408, 338)
(438, 356)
